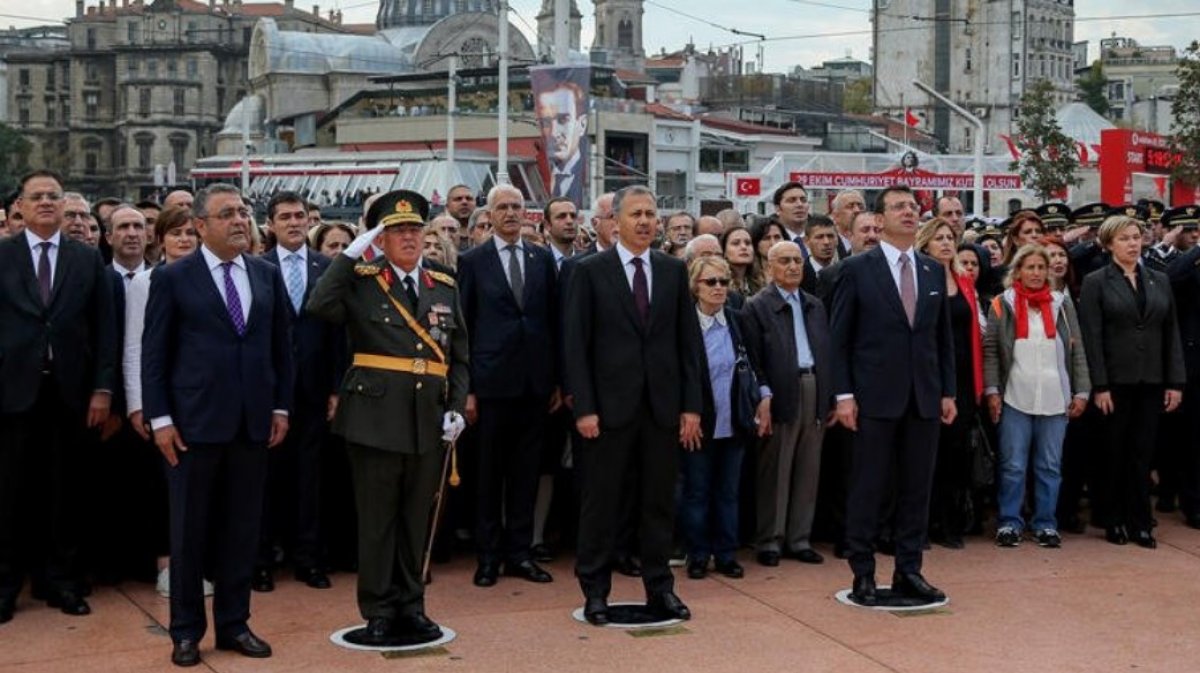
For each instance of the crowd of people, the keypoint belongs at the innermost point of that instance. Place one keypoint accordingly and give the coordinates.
(187, 395)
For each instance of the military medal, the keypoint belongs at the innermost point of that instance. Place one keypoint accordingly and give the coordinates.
(436, 334)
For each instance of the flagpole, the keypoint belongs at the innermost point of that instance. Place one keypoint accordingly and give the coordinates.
(905, 118)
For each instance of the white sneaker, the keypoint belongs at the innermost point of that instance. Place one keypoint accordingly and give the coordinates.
(208, 588)
(163, 586)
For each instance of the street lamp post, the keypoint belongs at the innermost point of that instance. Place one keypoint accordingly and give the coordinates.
(977, 193)
(502, 136)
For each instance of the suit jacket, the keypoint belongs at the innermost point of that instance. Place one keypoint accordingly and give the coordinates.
(78, 326)
(1184, 273)
(877, 356)
(771, 339)
(383, 409)
(615, 363)
(118, 294)
(315, 347)
(195, 368)
(509, 343)
(827, 279)
(810, 281)
(1124, 345)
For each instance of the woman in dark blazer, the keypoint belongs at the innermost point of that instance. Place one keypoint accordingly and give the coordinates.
(1127, 314)
(711, 474)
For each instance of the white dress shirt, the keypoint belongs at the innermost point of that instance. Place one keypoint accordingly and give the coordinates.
(35, 250)
(893, 259)
(127, 275)
(627, 264)
(504, 255)
(284, 259)
(241, 279)
(135, 321)
(401, 274)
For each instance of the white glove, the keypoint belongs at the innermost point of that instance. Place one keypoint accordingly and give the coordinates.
(360, 244)
(452, 426)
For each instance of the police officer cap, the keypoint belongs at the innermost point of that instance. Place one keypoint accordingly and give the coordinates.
(1155, 208)
(991, 232)
(1093, 214)
(399, 207)
(1136, 211)
(1053, 215)
(975, 223)
(1187, 217)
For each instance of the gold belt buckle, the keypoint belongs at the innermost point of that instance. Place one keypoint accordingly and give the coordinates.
(420, 366)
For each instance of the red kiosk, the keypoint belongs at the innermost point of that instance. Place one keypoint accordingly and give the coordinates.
(1125, 154)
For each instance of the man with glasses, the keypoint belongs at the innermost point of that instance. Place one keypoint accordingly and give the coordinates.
(787, 333)
(57, 374)
(77, 218)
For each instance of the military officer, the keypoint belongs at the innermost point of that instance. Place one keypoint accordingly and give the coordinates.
(401, 399)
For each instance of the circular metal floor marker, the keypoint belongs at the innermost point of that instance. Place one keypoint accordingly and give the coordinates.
(891, 603)
(339, 638)
(629, 616)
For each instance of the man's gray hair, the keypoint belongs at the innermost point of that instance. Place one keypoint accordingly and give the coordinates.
(596, 203)
(126, 206)
(200, 203)
(495, 192)
(473, 221)
(843, 195)
(631, 190)
(689, 251)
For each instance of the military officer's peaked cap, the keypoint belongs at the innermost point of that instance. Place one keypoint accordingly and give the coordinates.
(397, 208)
(1156, 208)
(1185, 216)
(1053, 214)
(1136, 211)
(1093, 214)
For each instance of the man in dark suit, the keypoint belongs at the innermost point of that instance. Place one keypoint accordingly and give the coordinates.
(57, 373)
(845, 207)
(788, 333)
(821, 239)
(792, 211)
(293, 502)
(217, 387)
(633, 366)
(510, 303)
(894, 378)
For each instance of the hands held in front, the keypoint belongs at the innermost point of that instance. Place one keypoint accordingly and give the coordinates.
(994, 404)
(1103, 402)
(588, 426)
(140, 426)
(1078, 406)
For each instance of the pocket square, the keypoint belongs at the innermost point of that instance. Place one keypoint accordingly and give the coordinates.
(934, 293)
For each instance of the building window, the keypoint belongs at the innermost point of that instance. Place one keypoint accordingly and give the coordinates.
(1016, 66)
(132, 32)
(180, 98)
(144, 101)
(23, 111)
(23, 76)
(967, 60)
(179, 145)
(246, 33)
(145, 144)
(91, 105)
(193, 68)
(172, 67)
(1016, 25)
(50, 78)
(132, 65)
(625, 34)
(51, 113)
(91, 163)
(191, 32)
(91, 38)
(152, 67)
(91, 73)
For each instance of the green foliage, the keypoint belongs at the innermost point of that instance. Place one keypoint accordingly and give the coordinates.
(857, 97)
(14, 158)
(1185, 109)
(1048, 156)
(1092, 88)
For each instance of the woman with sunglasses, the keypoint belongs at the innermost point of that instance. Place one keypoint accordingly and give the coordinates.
(711, 474)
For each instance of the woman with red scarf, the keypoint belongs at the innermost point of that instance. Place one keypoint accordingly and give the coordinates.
(952, 473)
(1035, 378)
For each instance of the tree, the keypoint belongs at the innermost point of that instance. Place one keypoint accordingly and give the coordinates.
(1185, 110)
(1092, 88)
(857, 97)
(1048, 156)
(14, 159)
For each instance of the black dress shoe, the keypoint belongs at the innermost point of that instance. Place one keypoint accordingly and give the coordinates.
(380, 632)
(262, 581)
(70, 603)
(1116, 535)
(417, 628)
(628, 566)
(7, 607)
(185, 653)
(1143, 538)
(697, 569)
(811, 556)
(913, 585)
(952, 542)
(541, 553)
(529, 571)
(769, 559)
(246, 644)
(313, 577)
(595, 611)
(863, 592)
(486, 574)
(667, 605)
(841, 551)
(730, 569)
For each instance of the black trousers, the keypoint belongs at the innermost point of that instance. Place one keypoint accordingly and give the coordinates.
(40, 476)
(394, 493)
(1126, 448)
(510, 444)
(1189, 453)
(952, 473)
(127, 521)
(648, 455)
(216, 496)
(902, 451)
(292, 508)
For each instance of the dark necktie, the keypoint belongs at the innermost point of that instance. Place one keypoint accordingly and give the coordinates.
(641, 290)
(43, 273)
(908, 289)
(410, 291)
(233, 302)
(129, 278)
(515, 279)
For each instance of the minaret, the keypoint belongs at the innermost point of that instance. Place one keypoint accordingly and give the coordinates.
(545, 28)
(619, 33)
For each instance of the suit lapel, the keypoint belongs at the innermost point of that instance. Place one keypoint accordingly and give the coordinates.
(491, 260)
(203, 279)
(62, 269)
(314, 274)
(24, 262)
(929, 293)
(258, 285)
(887, 287)
(1121, 287)
(532, 276)
(424, 298)
(616, 276)
(659, 292)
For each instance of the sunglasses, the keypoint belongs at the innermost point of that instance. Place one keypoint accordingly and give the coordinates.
(713, 282)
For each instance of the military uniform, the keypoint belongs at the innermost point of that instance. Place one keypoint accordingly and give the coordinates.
(403, 377)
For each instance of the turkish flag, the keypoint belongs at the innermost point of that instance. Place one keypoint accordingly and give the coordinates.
(910, 118)
(749, 186)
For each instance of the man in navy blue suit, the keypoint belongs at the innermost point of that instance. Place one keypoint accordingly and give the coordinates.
(509, 298)
(893, 379)
(217, 386)
(293, 504)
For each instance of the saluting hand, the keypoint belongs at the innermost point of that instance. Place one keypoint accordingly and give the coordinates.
(690, 434)
(279, 428)
(168, 441)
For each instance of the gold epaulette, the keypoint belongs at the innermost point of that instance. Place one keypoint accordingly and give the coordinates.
(443, 278)
(366, 270)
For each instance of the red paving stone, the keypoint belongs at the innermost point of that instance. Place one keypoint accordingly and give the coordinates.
(1089, 606)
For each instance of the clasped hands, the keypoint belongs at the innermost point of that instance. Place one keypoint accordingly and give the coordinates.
(690, 434)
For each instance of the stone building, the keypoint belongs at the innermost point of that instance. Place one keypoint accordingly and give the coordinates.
(618, 41)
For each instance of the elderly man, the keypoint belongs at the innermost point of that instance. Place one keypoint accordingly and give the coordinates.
(846, 206)
(787, 329)
(77, 218)
(178, 197)
(681, 227)
(400, 401)
(479, 228)
(604, 222)
(446, 225)
(704, 245)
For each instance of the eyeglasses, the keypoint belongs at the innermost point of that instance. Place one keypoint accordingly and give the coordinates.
(75, 214)
(52, 197)
(902, 206)
(230, 213)
(713, 282)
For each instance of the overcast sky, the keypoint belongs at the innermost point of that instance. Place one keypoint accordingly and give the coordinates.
(814, 19)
